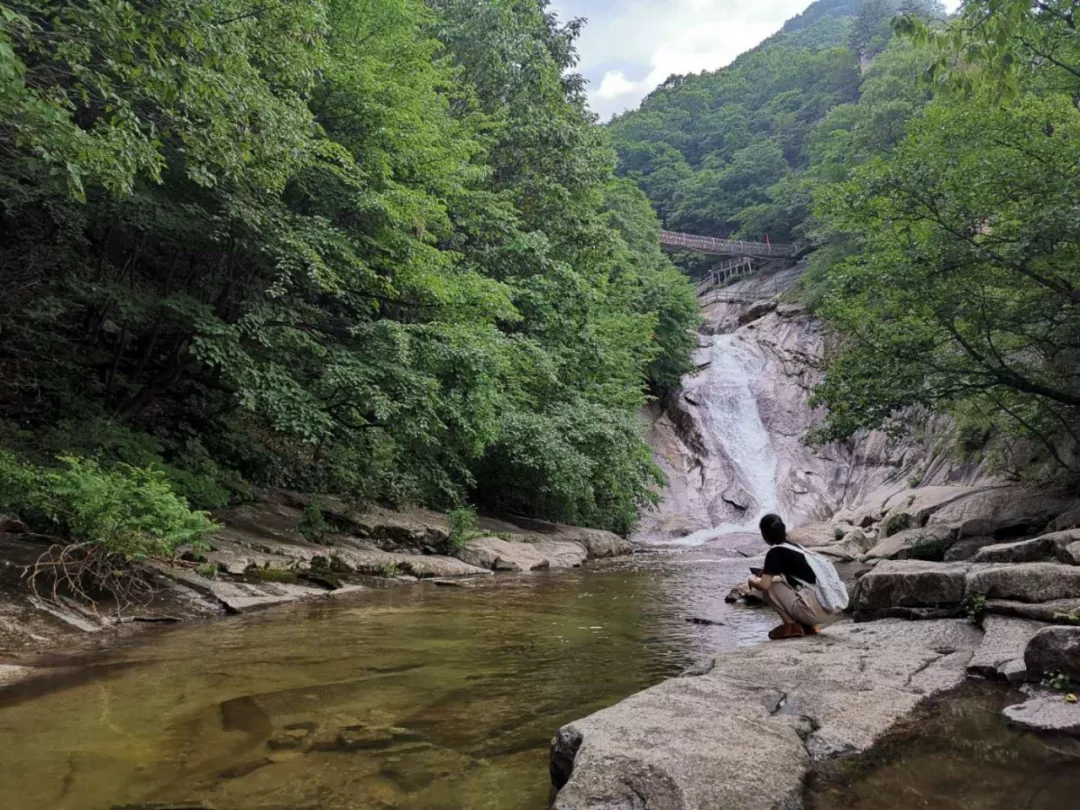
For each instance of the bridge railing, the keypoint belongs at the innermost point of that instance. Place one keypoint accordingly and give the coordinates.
(725, 247)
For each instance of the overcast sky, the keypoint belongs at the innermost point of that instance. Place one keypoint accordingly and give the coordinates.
(631, 46)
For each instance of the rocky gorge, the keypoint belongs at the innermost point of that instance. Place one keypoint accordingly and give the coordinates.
(958, 573)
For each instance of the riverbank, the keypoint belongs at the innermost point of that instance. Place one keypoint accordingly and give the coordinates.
(265, 555)
(408, 697)
(1005, 607)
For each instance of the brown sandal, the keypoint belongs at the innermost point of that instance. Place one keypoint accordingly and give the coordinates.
(784, 631)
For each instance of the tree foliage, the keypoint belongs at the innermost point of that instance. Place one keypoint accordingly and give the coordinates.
(368, 247)
(957, 284)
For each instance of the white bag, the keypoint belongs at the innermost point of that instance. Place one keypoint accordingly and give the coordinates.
(830, 590)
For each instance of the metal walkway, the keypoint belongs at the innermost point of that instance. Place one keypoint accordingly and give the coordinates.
(733, 281)
(727, 247)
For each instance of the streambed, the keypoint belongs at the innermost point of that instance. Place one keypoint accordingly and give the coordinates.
(410, 697)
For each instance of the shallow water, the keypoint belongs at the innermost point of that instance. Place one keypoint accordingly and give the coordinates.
(956, 753)
(417, 697)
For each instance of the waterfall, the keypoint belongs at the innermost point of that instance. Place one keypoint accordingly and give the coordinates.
(732, 428)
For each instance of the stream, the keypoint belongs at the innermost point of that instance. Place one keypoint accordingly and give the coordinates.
(412, 697)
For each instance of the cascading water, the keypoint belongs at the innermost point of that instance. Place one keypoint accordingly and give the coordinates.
(732, 428)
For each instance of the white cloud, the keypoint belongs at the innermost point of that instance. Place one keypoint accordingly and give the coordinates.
(615, 84)
(630, 47)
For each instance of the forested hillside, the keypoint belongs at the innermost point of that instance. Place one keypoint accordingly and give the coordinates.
(727, 153)
(933, 165)
(370, 247)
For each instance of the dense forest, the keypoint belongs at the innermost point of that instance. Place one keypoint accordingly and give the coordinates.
(934, 166)
(367, 247)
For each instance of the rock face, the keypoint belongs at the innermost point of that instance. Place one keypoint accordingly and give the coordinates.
(731, 445)
(703, 742)
(1054, 650)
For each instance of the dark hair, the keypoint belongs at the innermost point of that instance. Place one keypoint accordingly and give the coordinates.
(773, 530)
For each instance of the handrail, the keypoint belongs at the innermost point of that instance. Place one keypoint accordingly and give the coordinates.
(726, 247)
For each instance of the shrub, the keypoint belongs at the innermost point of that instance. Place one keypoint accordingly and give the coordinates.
(313, 525)
(103, 519)
(463, 526)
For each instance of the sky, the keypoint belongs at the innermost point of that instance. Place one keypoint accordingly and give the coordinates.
(631, 46)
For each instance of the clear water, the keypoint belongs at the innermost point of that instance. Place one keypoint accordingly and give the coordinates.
(956, 753)
(417, 697)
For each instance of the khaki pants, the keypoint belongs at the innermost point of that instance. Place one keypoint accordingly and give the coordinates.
(800, 604)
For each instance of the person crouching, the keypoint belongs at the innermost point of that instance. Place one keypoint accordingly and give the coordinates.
(792, 581)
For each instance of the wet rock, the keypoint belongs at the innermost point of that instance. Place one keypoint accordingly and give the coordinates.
(756, 311)
(1004, 641)
(910, 583)
(1046, 712)
(500, 555)
(1054, 650)
(1025, 582)
(744, 593)
(704, 742)
(1040, 548)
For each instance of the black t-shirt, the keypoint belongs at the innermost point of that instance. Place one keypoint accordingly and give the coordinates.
(789, 563)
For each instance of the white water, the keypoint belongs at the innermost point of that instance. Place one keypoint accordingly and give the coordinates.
(732, 427)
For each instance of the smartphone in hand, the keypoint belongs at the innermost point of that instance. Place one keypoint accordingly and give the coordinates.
(757, 572)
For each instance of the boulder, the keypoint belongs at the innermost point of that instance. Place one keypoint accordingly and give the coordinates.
(913, 544)
(1001, 511)
(1070, 555)
(708, 741)
(1040, 548)
(910, 583)
(1004, 642)
(500, 555)
(854, 545)
(813, 535)
(560, 553)
(1047, 712)
(966, 548)
(1053, 650)
(1025, 582)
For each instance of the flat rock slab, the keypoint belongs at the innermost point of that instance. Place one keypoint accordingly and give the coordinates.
(1047, 712)
(1039, 548)
(243, 597)
(1004, 642)
(499, 555)
(1025, 582)
(744, 733)
(1056, 611)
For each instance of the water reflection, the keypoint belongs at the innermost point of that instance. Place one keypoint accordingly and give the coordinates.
(414, 698)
